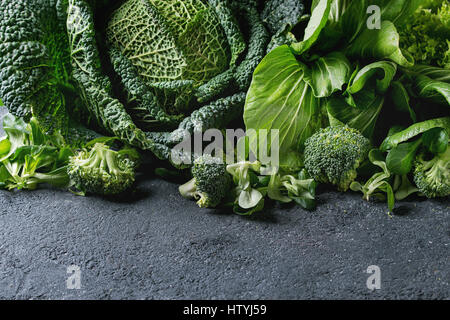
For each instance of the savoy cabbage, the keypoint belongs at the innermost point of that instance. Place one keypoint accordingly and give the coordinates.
(145, 71)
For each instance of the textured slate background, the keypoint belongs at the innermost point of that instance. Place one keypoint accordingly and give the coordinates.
(157, 245)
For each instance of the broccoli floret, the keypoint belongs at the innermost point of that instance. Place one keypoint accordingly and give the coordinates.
(432, 177)
(333, 154)
(210, 183)
(101, 171)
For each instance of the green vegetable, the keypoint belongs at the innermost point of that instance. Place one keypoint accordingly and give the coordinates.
(257, 44)
(378, 185)
(167, 41)
(162, 39)
(377, 76)
(401, 100)
(381, 44)
(280, 17)
(362, 102)
(157, 103)
(319, 18)
(151, 72)
(307, 197)
(403, 187)
(362, 118)
(344, 22)
(79, 136)
(436, 140)
(400, 161)
(214, 115)
(281, 98)
(143, 106)
(249, 198)
(426, 34)
(210, 183)
(427, 84)
(401, 158)
(251, 187)
(95, 87)
(231, 28)
(28, 157)
(414, 130)
(101, 170)
(428, 88)
(35, 62)
(64, 64)
(432, 174)
(333, 154)
(287, 188)
(329, 74)
(319, 81)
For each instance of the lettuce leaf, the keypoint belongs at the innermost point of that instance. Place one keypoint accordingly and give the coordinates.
(430, 83)
(363, 117)
(380, 44)
(437, 91)
(378, 74)
(317, 22)
(281, 98)
(330, 74)
(413, 131)
(426, 36)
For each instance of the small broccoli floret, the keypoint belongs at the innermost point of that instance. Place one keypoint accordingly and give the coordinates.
(432, 176)
(333, 154)
(210, 183)
(101, 171)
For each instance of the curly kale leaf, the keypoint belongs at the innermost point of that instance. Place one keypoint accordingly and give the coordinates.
(95, 87)
(282, 15)
(231, 28)
(35, 61)
(214, 115)
(257, 45)
(216, 86)
(239, 77)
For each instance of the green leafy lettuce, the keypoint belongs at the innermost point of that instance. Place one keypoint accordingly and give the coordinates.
(341, 73)
(281, 98)
(426, 35)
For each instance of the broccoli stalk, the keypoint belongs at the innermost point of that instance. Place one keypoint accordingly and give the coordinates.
(210, 183)
(189, 189)
(432, 177)
(333, 154)
(101, 171)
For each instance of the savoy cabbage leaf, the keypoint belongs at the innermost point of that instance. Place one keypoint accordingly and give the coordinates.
(170, 40)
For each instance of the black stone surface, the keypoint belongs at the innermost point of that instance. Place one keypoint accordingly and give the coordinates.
(158, 245)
